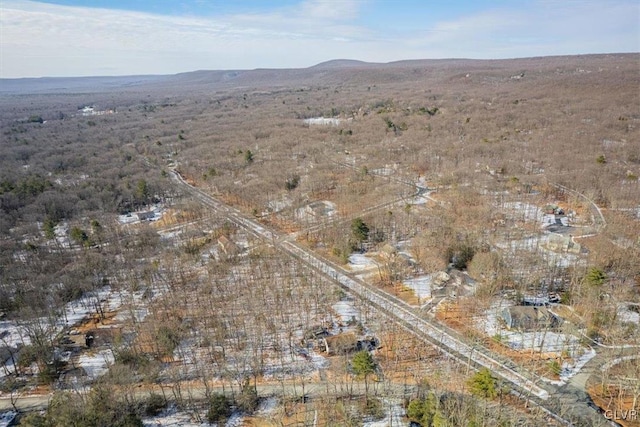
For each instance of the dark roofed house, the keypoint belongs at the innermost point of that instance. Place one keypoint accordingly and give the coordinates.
(530, 318)
(146, 216)
(316, 332)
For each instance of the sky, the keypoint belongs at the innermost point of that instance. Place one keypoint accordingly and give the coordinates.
(130, 37)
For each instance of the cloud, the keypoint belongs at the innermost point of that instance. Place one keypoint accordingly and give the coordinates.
(330, 9)
(545, 28)
(39, 39)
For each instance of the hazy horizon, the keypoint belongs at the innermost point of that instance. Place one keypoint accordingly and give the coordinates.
(117, 76)
(75, 38)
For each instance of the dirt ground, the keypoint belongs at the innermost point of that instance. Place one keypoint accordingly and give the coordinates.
(620, 404)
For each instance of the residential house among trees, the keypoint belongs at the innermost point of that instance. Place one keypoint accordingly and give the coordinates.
(528, 318)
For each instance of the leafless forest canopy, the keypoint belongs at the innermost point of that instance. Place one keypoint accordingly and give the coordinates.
(442, 161)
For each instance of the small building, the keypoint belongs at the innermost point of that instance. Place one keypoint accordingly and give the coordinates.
(146, 216)
(529, 318)
(340, 344)
(316, 332)
(560, 243)
(536, 301)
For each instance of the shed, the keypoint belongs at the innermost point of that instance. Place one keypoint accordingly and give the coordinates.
(340, 344)
(146, 216)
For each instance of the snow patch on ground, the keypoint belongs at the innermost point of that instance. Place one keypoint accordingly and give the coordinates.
(524, 211)
(319, 361)
(627, 315)
(74, 312)
(570, 369)
(489, 323)
(539, 244)
(359, 262)
(172, 418)
(420, 200)
(97, 364)
(323, 121)
(267, 406)
(394, 416)
(61, 232)
(304, 363)
(421, 286)
(346, 310)
(385, 171)
(235, 420)
(170, 235)
(531, 213)
(6, 418)
(547, 342)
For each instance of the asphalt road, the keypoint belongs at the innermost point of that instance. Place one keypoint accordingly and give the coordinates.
(568, 404)
(288, 389)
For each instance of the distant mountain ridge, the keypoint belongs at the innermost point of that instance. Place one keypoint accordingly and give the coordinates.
(325, 73)
(343, 63)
